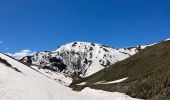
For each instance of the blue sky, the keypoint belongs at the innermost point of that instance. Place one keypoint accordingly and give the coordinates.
(41, 25)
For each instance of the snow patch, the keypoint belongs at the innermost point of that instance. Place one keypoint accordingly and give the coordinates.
(103, 95)
(82, 83)
(111, 82)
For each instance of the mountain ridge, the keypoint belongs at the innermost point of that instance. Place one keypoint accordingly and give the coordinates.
(77, 58)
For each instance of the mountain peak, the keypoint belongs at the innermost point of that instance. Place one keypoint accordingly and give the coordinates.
(81, 58)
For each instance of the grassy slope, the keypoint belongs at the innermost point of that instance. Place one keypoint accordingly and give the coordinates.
(148, 72)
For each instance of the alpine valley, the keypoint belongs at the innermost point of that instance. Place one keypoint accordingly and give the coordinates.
(82, 70)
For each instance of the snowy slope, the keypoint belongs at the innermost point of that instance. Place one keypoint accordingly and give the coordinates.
(81, 58)
(31, 85)
(58, 77)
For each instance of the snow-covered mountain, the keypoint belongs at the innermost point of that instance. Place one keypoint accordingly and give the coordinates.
(21, 82)
(80, 58)
(145, 75)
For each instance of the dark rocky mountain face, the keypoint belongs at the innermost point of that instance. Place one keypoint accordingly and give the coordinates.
(147, 72)
(55, 65)
(80, 58)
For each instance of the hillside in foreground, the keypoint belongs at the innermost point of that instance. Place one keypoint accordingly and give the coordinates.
(21, 82)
